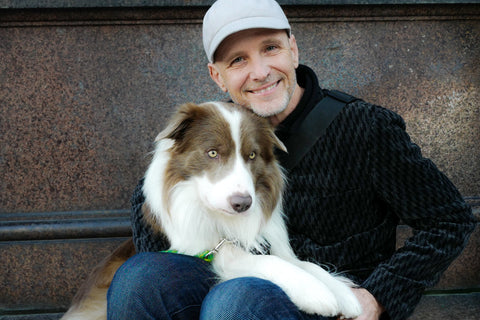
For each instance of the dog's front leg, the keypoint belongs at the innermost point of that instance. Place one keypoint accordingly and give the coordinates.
(340, 286)
(305, 290)
(276, 234)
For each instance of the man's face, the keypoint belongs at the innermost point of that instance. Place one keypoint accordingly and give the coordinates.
(257, 68)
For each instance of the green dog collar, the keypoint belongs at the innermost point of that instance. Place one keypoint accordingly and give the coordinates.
(206, 255)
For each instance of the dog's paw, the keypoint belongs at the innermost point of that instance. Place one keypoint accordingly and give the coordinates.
(348, 304)
(314, 298)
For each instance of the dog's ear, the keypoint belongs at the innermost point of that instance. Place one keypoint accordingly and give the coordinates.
(180, 121)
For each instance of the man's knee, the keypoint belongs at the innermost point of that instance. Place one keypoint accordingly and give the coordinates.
(159, 270)
(149, 281)
(245, 298)
(133, 279)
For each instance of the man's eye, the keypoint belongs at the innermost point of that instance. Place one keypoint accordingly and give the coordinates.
(237, 60)
(272, 48)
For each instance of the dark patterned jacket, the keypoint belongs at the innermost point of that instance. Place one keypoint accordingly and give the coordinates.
(346, 197)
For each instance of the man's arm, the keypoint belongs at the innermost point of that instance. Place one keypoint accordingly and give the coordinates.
(144, 238)
(423, 198)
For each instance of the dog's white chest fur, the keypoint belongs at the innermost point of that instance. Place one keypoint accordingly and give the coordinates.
(213, 176)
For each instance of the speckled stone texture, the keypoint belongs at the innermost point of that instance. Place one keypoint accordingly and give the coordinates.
(84, 92)
(81, 107)
(83, 100)
(46, 280)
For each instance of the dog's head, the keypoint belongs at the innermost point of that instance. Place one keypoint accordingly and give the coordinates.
(229, 153)
(213, 175)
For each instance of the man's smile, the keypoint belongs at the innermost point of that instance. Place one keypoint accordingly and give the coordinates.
(265, 90)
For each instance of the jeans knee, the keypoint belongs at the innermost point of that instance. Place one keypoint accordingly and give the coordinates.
(132, 277)
(159, 284)
(247, 298)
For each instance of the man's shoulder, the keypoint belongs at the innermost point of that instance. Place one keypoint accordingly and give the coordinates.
(369, 111)
(359, 115)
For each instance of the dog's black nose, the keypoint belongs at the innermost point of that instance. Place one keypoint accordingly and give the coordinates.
(240, 202)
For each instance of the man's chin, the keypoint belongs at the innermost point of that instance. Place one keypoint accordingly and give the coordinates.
(268, 109)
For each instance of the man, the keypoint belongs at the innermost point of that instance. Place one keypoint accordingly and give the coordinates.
(344, 199)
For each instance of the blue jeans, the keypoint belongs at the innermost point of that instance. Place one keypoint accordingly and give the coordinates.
(173, 286)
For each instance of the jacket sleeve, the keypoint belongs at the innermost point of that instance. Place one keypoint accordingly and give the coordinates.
(423, 198)
(144, 238)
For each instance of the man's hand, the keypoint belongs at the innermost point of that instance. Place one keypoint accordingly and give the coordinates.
(371, 309)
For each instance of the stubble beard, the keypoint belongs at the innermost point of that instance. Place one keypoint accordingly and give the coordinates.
(273, 110)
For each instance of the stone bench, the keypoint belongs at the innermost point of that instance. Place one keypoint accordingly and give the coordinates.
(43, 268)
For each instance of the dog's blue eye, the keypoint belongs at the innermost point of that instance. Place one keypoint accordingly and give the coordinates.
(212, 154)
(252, 155)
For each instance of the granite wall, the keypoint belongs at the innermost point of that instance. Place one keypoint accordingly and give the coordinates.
(84, 91)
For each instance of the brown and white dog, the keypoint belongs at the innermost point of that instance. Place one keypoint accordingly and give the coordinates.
(214, 185)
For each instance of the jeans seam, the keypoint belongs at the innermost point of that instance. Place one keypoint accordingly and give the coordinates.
(185, 308)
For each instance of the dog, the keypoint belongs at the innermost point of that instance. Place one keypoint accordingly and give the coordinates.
(215, 186)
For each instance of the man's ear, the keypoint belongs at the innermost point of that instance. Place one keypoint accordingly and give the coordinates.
(294, 49)
(215, 75)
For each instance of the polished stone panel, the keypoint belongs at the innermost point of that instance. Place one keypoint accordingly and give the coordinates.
(45, 275)
(81, 107)
(83, 100)
(451, 307)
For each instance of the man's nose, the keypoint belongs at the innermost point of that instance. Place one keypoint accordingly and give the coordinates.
(259, 69)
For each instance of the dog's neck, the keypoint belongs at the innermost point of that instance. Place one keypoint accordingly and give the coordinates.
(208, 255)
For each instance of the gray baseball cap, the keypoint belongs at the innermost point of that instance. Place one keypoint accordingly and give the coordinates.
(226, 17)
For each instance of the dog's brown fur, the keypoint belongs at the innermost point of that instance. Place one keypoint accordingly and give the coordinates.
(95, 288)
